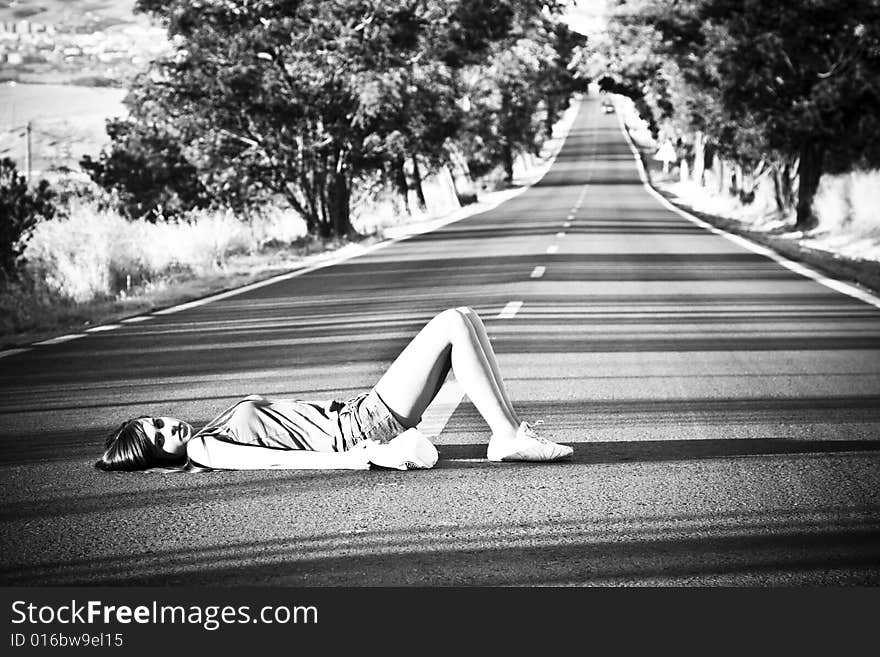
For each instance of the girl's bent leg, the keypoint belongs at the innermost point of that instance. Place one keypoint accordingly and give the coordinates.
(413, 379)
(489, 353)
(457, 338)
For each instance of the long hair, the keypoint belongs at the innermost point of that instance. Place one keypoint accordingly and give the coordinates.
(128, 448)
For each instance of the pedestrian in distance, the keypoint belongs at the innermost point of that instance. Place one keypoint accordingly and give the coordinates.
(376, 427)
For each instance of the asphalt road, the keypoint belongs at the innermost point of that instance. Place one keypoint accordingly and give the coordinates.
(724, 413)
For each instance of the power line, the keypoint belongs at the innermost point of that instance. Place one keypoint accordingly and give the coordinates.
(28, 160)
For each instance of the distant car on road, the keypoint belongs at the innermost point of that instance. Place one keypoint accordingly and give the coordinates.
(607, 107)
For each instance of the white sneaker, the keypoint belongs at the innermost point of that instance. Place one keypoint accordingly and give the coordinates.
(410, 450)
(526, 446)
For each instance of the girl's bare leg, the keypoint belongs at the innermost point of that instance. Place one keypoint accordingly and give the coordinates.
(448, 340)
(489, 353)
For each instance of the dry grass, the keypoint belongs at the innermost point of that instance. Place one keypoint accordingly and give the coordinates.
(850, 203)
(94, 264)
(95, 254)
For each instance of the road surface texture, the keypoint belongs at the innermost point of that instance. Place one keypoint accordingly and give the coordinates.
(724, 411)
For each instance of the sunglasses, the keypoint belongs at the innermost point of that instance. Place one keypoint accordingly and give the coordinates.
(158, 438)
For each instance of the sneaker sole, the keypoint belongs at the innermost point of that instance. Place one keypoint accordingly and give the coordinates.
(517, 458)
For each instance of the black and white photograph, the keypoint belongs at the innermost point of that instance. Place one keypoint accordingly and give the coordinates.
(435, 294)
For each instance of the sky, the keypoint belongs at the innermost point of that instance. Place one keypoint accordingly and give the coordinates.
(587, 16)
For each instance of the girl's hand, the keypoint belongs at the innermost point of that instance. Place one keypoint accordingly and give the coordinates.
(359, 455)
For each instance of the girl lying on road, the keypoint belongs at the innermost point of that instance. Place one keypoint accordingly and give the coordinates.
(376, 427)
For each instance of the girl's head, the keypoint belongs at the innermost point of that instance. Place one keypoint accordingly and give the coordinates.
(146, 442)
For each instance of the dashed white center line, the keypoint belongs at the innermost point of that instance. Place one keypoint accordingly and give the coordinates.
(510, 310)
(100, 329)
(61, 338)
(560, 234)
(567, 224)
(537, 272)
(553, 248)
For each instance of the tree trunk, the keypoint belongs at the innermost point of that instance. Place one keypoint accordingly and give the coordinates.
(778, 193)
(401, 183)
(417, 184)
(461, 179)
(736, 181)
(507, 160)
(782, 186)
(455, 186)
(338, 198)
(550, 119)
(324, 182)
(699, 158)
(809, 172)
(310, 209)
(299, 206)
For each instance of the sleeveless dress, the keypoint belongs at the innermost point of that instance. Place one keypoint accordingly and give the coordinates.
(322, 426)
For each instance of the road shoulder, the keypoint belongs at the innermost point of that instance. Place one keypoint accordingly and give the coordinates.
(859, 272)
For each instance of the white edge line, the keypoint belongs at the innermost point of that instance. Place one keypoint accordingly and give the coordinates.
(796, 267)
(139, 318)
(60, 339)
(105, 327)
(12, 352)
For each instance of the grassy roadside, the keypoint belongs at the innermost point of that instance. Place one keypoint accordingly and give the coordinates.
(174, 289)
(864, 273)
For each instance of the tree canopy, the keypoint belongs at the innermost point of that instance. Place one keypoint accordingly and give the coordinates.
(301, 99)
(792, 84)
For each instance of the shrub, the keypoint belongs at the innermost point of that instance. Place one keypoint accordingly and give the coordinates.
(146, 169)
(20, 210)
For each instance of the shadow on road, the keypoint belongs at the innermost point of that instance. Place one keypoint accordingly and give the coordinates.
(646, 451)
(817, 546)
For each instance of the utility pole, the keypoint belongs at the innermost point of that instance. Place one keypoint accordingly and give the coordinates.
(27, 152)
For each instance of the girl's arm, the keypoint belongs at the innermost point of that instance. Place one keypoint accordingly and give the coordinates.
(213, 453)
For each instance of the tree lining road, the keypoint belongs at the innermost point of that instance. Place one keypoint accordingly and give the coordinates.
(724, 413)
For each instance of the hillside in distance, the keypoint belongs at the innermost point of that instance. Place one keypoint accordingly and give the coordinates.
(83, 42)
(103, 13)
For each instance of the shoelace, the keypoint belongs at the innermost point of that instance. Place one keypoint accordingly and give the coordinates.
(530, 432)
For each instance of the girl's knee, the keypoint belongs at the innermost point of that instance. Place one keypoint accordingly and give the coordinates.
(453, 319)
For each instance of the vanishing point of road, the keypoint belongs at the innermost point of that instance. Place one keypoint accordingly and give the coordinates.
(724, 411)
